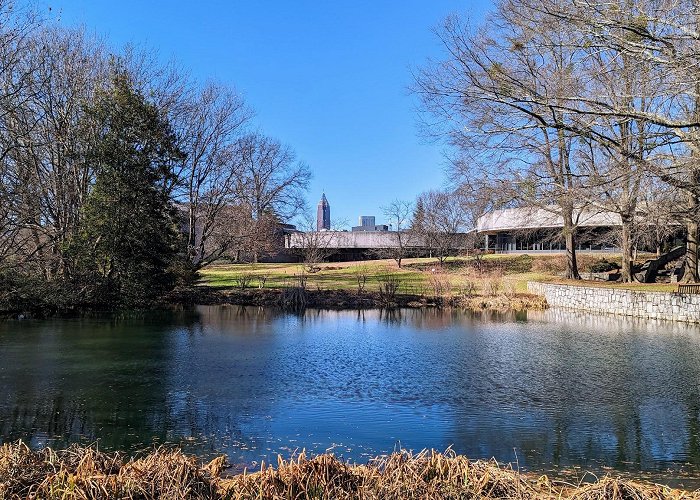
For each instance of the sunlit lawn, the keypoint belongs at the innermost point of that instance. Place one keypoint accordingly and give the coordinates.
(416, 275)
(331, 276)
(642, 287)
(343, 275)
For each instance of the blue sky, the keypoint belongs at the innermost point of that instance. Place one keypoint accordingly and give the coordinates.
(328, 78)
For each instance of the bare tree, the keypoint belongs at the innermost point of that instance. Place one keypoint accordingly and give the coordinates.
(398, 214)
(659, 223)
(315, 246)
(51, 133)
(443, 223)
(270, 183)
(660, 40)
(616, 167)
(481, 93)
(209, 128)
(18, 28)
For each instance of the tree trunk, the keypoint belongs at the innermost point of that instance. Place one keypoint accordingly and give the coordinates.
(691, 256)
(626, 246)
(570, 241)
(571, 265)
(192, 230)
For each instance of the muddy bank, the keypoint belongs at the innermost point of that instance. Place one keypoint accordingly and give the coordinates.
(297, 298)
(345, 299)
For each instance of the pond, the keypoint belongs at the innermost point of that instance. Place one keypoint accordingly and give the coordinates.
(546, 391)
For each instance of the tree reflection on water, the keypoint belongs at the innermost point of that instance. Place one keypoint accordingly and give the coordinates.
(552, 389)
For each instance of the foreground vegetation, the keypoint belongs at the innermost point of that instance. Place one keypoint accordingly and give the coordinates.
(86, 473)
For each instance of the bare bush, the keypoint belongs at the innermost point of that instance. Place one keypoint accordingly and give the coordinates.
(361, 274)
(389, 285)
(440, 284)
(243, 280)
(509, 289)
(491, 286)
(301, 279)
(293, 298)
(468, 289)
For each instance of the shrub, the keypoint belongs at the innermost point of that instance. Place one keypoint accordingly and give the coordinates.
(262, 279)
(440, 284)
(468, 289)
(518, 265)
(603, 266)
(388, 287)
(293, 298)
(242, 280)
(361, 276)
(491, 286)
(556, 264)
(550, 264)
(301, 279)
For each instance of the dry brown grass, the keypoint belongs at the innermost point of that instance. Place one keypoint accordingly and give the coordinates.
(556, 264)
(426, 475)
(510, 301)
(84, 473)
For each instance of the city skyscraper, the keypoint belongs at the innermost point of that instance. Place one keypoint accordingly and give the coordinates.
(367, 221)
(323, 214)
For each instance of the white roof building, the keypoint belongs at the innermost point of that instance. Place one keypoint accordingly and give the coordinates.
(535, 229)
(531, 218)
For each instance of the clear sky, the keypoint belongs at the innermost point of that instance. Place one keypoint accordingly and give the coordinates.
(329, 78)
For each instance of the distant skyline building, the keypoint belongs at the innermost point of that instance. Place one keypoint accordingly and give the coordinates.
(367, 220)
(369, 223)
(323, 214)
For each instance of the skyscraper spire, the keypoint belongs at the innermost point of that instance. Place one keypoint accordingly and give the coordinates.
(323, 214)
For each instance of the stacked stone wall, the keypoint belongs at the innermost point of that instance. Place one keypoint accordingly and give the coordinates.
(654, 305)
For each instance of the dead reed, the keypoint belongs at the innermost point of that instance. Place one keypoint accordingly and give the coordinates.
(85, 473)
(501, 302)
(293, 298)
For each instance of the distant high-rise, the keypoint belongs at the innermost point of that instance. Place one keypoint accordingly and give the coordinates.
(323, 214)
(367, 221)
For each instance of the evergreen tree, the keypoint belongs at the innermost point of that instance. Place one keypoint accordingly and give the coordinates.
(129, 240)
(418, 219)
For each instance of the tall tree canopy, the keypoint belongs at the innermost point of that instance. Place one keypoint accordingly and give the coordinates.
(574, 106)
(129, 238)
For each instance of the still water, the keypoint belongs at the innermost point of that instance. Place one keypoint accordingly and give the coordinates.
(547, 390)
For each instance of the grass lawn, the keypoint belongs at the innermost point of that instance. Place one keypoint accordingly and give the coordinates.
(331, 276)
(642, 287)
(416, 275)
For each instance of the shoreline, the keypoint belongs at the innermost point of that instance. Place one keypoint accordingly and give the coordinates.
(86, 473)
(351, 300)
(338, 300)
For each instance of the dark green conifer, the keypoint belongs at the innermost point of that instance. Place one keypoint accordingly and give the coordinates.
(128, 240)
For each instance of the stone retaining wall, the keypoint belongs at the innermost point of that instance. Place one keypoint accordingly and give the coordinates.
(656, 305)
